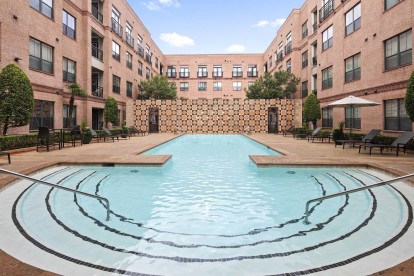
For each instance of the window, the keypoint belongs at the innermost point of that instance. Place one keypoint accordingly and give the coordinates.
(69, 70)
(270, 62)
(398, 50)
(237, 86)
(140, 48)
(116, 51)
(202, 71)
(280, 52)
(43, 6)
(116, 26)
(147, 73)
(171, 72)
(304, 89)
(69, 25)
(66, 116)
(305, 30)
(327, 38)
(237, 71)
(129, 89)
(327, 78)
(116, 84)
(217, 86)
(183, 86)
(353, 68)
(396, 117)
(289, 66)
(288, 43)
(327, 117)
(326, 10)
(252, 71)
(353, 19)
(140, 68)
(202, 86)
(128, 35)
(305, 59)
(129, 60)
(156, 62)
(355, 119)
(147, 53)
(184, 72)
(41, 56)
(42, 115)
(217, 71)
(390, 3)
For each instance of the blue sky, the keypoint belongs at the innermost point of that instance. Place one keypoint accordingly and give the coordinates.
(213, 26)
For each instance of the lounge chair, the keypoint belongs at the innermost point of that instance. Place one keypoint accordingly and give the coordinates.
(306, 135)
(289, 130)
(6, 153)
(399, 143)
(95, 134)
(108, 134)
(365, 140)
(321, 136)
(133, 130)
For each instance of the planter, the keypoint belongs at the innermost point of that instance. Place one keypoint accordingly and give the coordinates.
(86, 137)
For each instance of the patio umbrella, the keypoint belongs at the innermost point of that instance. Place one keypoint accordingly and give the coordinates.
(352, 102)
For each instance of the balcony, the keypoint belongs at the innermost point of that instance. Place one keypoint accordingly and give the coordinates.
(252, 74)
(148, 58)
(97, 53)
(217, 74)
(171, 74)
(97, 14)
(279, 56)
(129, 40)
(288, 48)
(116, 56)
(326, 10)
(97, 91)
(140, 51)
(184, 74)
(202, 74)
(237, 74)
(117, 28)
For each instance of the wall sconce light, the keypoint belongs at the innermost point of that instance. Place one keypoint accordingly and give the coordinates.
(15, 17)
(366, 39)
(374, 35)
(16, 59)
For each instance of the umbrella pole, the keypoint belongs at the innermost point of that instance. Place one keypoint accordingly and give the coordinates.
(350, 124)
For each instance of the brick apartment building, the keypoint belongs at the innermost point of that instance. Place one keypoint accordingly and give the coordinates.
(337, 48)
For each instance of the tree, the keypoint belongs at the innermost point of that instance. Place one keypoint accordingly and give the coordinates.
(110, 110)
(16, 97)
(409, 98)
(311, 109)
(158, 88)
(279, 85)
(75, 90)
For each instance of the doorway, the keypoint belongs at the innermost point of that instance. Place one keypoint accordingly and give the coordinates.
(153, 120)
(97, 118)
(273, 127)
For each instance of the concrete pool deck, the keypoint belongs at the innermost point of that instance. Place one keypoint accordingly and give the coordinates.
(297, 152)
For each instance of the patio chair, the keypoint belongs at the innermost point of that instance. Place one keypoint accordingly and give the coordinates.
(45, 139)
(134, 130)
(6, 153)
(307, 135)
(321, 136)
(365, 140)
(108, 134)
(74, 135)
(95, 134)
(289, 130)
(399, 143)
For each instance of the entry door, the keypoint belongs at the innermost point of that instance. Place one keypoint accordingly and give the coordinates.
(97, 118)
(153, 120)
(272, 127)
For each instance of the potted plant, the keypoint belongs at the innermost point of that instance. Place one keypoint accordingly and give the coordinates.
(86, 135)
(124, 133)
(338, 134)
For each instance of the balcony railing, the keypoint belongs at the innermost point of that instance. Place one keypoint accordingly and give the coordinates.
(217, 74)
(252, 74)
(116, 56)
(184, 74)
(147, 58)
(117, 28)
(97, 14)
(237, 74)
(202, 74)
(69, 77)
(202, 88)
(140, 51)
(97, 91)
(97, 53)
(129, 39)
(288, 48)
(280, 56)
(326, 10)
(171, 74)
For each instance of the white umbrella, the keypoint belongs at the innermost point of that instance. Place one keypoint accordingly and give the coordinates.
(352, 101)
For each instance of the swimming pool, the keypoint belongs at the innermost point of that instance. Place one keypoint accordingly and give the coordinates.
(209, 210)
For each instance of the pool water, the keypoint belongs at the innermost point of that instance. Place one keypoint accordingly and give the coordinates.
(211, 210)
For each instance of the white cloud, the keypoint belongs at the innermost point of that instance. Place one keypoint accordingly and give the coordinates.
(177, 40)
(156, 5)
(264, 23)
(236, 49)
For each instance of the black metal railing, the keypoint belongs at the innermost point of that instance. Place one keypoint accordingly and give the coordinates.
(140, 51)
(237, 74)
(97, 53)
(252, 73)
(184, 74)
(116, 56)
(117, 28)
(97, 14)
(147, 58)
(217, 74)
(202, 74)
(289, 47)
(171, 74)
(280, 56)
(97, 91)
(202, 88)
(129, 39)
(69, 77)
(326, 10)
